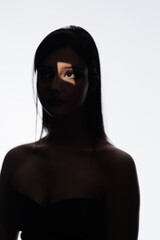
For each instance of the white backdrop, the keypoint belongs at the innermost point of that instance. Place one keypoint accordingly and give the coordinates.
(127, 33)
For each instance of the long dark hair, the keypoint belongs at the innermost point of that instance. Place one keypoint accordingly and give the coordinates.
(82, 42)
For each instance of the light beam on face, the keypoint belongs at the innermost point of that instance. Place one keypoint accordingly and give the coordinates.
(66, 72)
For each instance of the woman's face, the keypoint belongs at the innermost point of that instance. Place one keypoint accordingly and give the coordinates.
(62, 82)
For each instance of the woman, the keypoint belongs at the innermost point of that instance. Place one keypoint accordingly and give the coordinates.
(72, 183)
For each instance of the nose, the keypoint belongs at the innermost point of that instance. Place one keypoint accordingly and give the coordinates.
(55, 85)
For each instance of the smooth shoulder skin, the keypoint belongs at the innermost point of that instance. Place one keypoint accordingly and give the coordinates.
(13, 159)
(118, 182)
(122, 194)
(6, 230)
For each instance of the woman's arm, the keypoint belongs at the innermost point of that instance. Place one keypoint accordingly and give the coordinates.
(7, 231)
(122, 200)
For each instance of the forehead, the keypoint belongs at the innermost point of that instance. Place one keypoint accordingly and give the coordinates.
(67, 55)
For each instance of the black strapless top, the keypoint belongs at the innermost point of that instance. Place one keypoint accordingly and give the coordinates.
(75, 218)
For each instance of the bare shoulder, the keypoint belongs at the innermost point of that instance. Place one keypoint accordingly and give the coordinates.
(116, 163)
(18, 151)
(16, 154)
(121, 191)
(109, 154)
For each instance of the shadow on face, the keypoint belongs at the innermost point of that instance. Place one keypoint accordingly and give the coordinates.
(62, 82)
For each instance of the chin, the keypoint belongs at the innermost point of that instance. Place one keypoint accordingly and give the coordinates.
(60, 113)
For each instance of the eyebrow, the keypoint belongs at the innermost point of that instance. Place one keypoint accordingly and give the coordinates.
(74, 67)
(45, 66)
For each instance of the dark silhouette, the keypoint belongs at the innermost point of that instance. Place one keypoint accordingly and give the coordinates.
(72, 183)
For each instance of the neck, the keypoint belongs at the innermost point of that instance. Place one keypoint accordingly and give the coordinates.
(70, 130)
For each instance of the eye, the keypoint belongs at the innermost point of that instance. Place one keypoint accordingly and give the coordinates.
(70, 75)
(45, 73)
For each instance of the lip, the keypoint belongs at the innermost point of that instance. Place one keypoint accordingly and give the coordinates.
(54, 101)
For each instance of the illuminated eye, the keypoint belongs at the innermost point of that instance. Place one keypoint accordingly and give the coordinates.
(70, 74)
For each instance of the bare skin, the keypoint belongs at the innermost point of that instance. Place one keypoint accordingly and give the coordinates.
(37, 172)
(64, 166)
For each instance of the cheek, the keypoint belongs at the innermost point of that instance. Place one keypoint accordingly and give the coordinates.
(85, 88)
(70, 81)
(42, 93)
(81, 93)
(84, 92)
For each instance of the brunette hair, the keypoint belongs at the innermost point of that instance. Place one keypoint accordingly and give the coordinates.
(82, 42)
